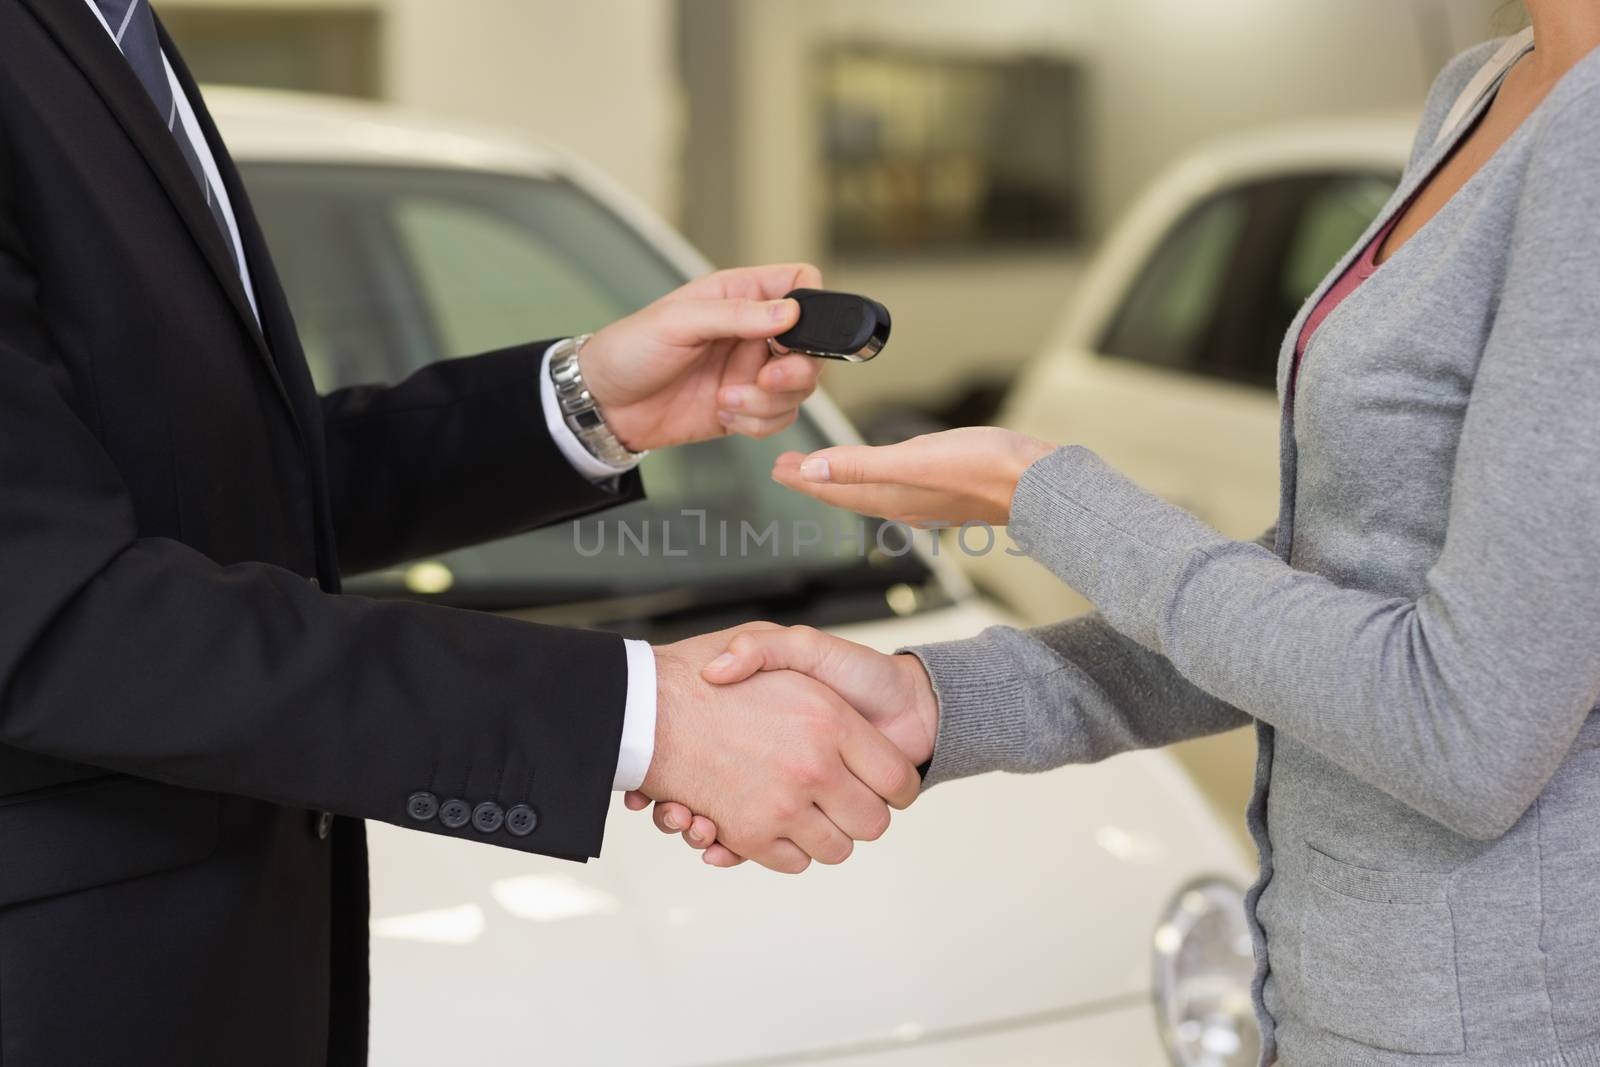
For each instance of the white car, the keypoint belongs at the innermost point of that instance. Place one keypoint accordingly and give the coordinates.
(1165, 361)
(1007, 921)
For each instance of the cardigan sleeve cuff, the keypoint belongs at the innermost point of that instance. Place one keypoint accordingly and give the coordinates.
(1125, 549)
(981, 695)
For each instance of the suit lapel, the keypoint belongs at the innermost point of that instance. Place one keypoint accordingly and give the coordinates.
(82, 37)
(274, 318)
(277, 323)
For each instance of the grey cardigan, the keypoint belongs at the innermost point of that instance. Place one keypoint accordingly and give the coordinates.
(1419, 644)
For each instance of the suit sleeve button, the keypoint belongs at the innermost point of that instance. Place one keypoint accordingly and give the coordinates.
(488, 816)
(454, 813)
(522, 820)
(324, 825)
(422, 806)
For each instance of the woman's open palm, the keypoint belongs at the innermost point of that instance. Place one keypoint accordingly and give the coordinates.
(938, 479)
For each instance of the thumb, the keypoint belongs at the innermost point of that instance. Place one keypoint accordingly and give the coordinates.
(782, 649)
(695, 321)
(862, 465)
(864, 678)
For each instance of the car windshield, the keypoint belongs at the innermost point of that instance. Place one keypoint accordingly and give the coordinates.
(389, 268)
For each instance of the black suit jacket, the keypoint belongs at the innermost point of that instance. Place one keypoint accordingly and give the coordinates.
(181, 692)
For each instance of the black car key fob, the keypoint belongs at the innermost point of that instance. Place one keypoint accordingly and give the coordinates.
(836, 326)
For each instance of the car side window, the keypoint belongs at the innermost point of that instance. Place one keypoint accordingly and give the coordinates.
(1169, 310)
(1221, 292)
(1300, 228)
(1335, 214)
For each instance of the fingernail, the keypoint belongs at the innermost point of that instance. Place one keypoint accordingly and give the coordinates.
(731, 398)
(815, 470)
(672, 822)
(696, 837)
(780, 309)
(722, 662)
(726, 417)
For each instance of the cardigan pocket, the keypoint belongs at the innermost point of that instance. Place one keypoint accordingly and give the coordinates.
(1378, 957)
(1569, 851)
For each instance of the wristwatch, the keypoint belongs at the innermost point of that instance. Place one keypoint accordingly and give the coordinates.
(581, 411)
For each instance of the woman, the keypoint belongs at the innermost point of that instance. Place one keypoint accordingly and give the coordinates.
(1418, 641)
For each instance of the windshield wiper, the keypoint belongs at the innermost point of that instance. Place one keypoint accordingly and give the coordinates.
(853, 593)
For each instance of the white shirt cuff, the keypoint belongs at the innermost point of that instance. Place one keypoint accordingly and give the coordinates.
(582, 460)
(638, 717)
(639, 709)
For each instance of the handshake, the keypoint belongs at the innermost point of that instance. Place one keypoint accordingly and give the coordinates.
(784, 745)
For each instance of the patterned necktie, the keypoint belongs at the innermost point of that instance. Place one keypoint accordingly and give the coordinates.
(134, 28)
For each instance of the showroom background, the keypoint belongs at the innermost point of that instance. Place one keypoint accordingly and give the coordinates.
(730, 117)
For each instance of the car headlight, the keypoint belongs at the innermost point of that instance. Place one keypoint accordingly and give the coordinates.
(1204, 964)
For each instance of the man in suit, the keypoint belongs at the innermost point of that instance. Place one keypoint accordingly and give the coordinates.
(193, 723)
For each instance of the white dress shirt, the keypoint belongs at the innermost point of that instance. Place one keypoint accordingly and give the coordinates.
(639, 708)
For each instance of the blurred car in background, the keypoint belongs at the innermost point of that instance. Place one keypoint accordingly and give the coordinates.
(1087, 918)
(1165, 362)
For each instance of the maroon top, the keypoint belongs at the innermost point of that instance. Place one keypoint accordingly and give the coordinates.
(1359, 271)
(1366, 264)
